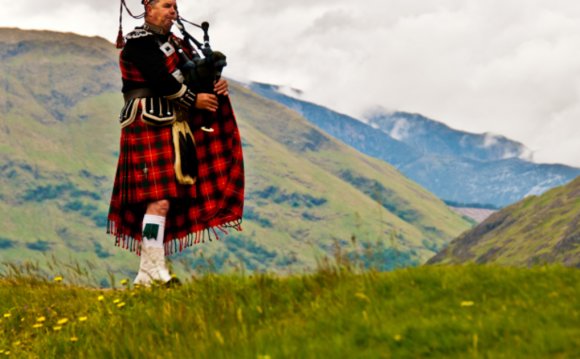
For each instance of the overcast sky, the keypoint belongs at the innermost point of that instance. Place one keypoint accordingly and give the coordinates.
(510, 67)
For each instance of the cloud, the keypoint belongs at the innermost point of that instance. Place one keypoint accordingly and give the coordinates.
(508, 67)
(490, 140)
(401, 129)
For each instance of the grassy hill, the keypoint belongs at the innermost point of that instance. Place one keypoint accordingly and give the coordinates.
(307, 194)
(536, 230)
(426, 312)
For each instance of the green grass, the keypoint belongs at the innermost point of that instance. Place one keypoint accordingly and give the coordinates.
(431, 311)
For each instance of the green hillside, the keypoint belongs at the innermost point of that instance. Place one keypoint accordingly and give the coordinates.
(537, 230)
(307, 194)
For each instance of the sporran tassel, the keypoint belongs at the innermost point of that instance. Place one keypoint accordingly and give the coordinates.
(120, 43)
(120, 39)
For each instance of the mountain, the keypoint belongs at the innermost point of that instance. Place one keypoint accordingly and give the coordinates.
(429, 136)
(308, 195)
(537, 230)
(461, 168)
(494, 169)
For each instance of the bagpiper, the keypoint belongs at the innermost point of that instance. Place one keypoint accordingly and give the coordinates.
(177, 183)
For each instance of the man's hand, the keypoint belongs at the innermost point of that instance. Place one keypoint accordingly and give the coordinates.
(221, 87)
(206, 101)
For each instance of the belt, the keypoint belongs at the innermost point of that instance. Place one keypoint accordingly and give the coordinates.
(138, 93)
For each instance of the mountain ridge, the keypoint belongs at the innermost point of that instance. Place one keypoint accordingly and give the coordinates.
(437, 159)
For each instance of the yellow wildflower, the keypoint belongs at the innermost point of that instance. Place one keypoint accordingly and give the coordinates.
(40, 319)
(7, 315)
(219, 337)
(100, 298)
(121, 304)
(56, 328)
(124, 282)
(62, 321)
(362, 296)
(467, 304)
(58, 279)
(17, 343)
(38, 325)
(398, 337)
(74, 339)
(259, 309)
(1, 351)
(117, 301)
(83, 319)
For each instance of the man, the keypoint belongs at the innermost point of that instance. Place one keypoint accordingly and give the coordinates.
(175, 183)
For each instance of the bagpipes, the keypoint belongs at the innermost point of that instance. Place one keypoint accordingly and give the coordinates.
(200, 73)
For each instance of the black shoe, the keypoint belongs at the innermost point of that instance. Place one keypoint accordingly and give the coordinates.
(172, 283)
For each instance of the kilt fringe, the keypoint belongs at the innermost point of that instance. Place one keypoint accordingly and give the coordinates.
(123, 240)
(175, 245)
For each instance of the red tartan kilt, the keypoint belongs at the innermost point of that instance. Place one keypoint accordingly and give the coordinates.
(145, 173)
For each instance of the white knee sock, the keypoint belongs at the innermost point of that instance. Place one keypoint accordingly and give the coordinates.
(153, 231)
(152, 265)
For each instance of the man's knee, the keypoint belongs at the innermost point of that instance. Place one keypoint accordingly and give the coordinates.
(159, 208)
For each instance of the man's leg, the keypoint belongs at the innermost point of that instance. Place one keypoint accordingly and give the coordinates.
(152, 266)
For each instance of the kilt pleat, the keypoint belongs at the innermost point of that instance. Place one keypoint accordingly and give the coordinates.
(145, 173)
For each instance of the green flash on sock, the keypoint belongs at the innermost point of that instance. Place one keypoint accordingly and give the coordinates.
(151, 230)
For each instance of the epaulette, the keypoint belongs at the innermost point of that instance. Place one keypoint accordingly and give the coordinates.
(137, 33)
